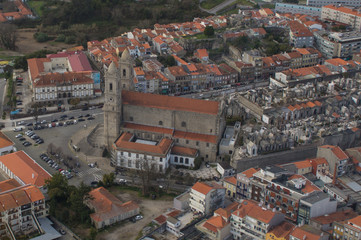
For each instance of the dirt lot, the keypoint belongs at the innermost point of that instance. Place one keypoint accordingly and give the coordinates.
(27, 44)
(149, 209)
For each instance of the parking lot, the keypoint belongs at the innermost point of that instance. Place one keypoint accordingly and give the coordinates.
(59, 137)
(23, 92)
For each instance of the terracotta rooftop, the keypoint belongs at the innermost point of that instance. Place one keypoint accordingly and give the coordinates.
(5, 141)
(25, 168)
(107, 206)
(168, 102)
(8, 184)
(196, 136)
(227, 212)
(215, 224)
(161, 148)
(231, 180)
(249, 172)
(302, 164)
(148, 128)
(335, 217)
(306, 232)
(337, 151)
(355, 222)
(251, 209)
(184, 151)
(283, 230)
(205, 188)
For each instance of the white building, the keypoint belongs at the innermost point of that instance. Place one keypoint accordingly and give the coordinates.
(321, 3)
(296, 8)
(206, 197)
(6, 145)
(135, 153)
(253, 221)
(183, 156)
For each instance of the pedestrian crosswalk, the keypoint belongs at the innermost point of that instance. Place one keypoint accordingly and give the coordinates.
(88, 171)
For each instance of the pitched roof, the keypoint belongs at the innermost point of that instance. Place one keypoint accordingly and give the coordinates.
(8, 184)
(54, 79)
(302, 164)
(215, 224)
(251, 209)
(282, 230)
(249, 172)
(306, 232)
(5, 141)
(196, 136)
(205, 188)
(335, 217)
(226, 212)
(355, 222)
(107, 206)
(18, 196)
(337, 151)
(184, 151)
(148, 128)
(25, 168)
(231, 180)
(168, 102)
(125, 142)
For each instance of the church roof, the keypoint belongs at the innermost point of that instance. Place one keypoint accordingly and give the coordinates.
(170, 103)
(125, 55)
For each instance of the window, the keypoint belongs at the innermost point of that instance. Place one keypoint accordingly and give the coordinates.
(130, 118)
(197, 143)
(137, 155)
(121, 153)
(124, 73)
(207, 156)
(129, 154)
(211, 130)
(207, 144)
(187, 161)
(187, 141)
(129, 163)
(110, 86)
(181, 160)
(160, 159)
(176, 159)
(160, 123)
(184, 124)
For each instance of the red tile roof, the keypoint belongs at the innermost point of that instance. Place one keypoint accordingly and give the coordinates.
(168, 102)
(107, 206)
(226, 212)
(215, 224)
(335, 217)
(25, 168)
(355, 222)
(5, 141)
(148, 128)
(196, 136)
(283, 230)
(251, 209)
(184, 151)
(231, 180)
(303, 164)
(337, 151)
(205, 188)
(249, 172)
(305, 232)
(162, 148)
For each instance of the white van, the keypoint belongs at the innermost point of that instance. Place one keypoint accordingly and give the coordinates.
(19, 129)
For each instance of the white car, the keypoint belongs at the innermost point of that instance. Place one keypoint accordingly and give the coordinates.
(42, 122)
(122, 180)
(19, 135)
(138, 217)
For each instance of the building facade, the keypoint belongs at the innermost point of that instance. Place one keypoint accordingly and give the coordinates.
(206, 197)
(296, 8)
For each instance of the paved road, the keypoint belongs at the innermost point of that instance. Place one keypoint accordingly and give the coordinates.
(218, 7)
(2, 93)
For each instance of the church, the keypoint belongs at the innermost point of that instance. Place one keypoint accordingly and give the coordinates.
(161, 129)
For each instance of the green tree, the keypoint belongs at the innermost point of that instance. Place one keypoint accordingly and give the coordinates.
(70, 40)
(58, 187)
(108, 179)
(41, 37)
(60, 38)
(209, 31)
(170, 61)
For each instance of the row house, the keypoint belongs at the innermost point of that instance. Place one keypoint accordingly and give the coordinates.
(253, 220)
(150, 81)
(59, 86)
(349, 229)
(303, 110)
(21, 207)
(338, 161)
(205, 197)
(279, 189)
(340, 65)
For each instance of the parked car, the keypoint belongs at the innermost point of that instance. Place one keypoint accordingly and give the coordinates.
(138, 217)
(22, 139)
(19, 135)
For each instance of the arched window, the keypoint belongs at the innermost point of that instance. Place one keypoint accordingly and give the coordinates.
(184, 124)
(110, 87)
(160, 123)
(124, 73)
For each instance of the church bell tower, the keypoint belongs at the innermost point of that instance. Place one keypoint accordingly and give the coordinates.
(112, 105)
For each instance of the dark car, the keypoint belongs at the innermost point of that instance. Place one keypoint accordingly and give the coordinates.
(55, 120)
(88, 115)
(29, 124)
(19, 103)
(22, 139)
(80, 116)
(85, 108)
(71, 118)
(81, 120)
(40, 141)
(90, 118)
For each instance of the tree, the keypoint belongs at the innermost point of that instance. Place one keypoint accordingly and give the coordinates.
(197, 162)
(58, 188)
(108, 179)
(170, 61)
(41, 37)
(209, 31)
(74, 101)
(8, 36)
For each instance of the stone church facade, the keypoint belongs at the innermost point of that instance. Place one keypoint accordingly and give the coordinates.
(189, 123)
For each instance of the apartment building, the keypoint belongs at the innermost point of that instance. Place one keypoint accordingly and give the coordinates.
(300, 36)
(350, 229)
(298, 9)
(307, 232)
(340, 13)
(321, 3)
(205, 197)
(253, 220)
(336, 158)
(6, 145)
(334, 44)
(21, 206)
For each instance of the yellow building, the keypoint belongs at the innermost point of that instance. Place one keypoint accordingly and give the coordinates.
(280, 232)
(230, 184)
